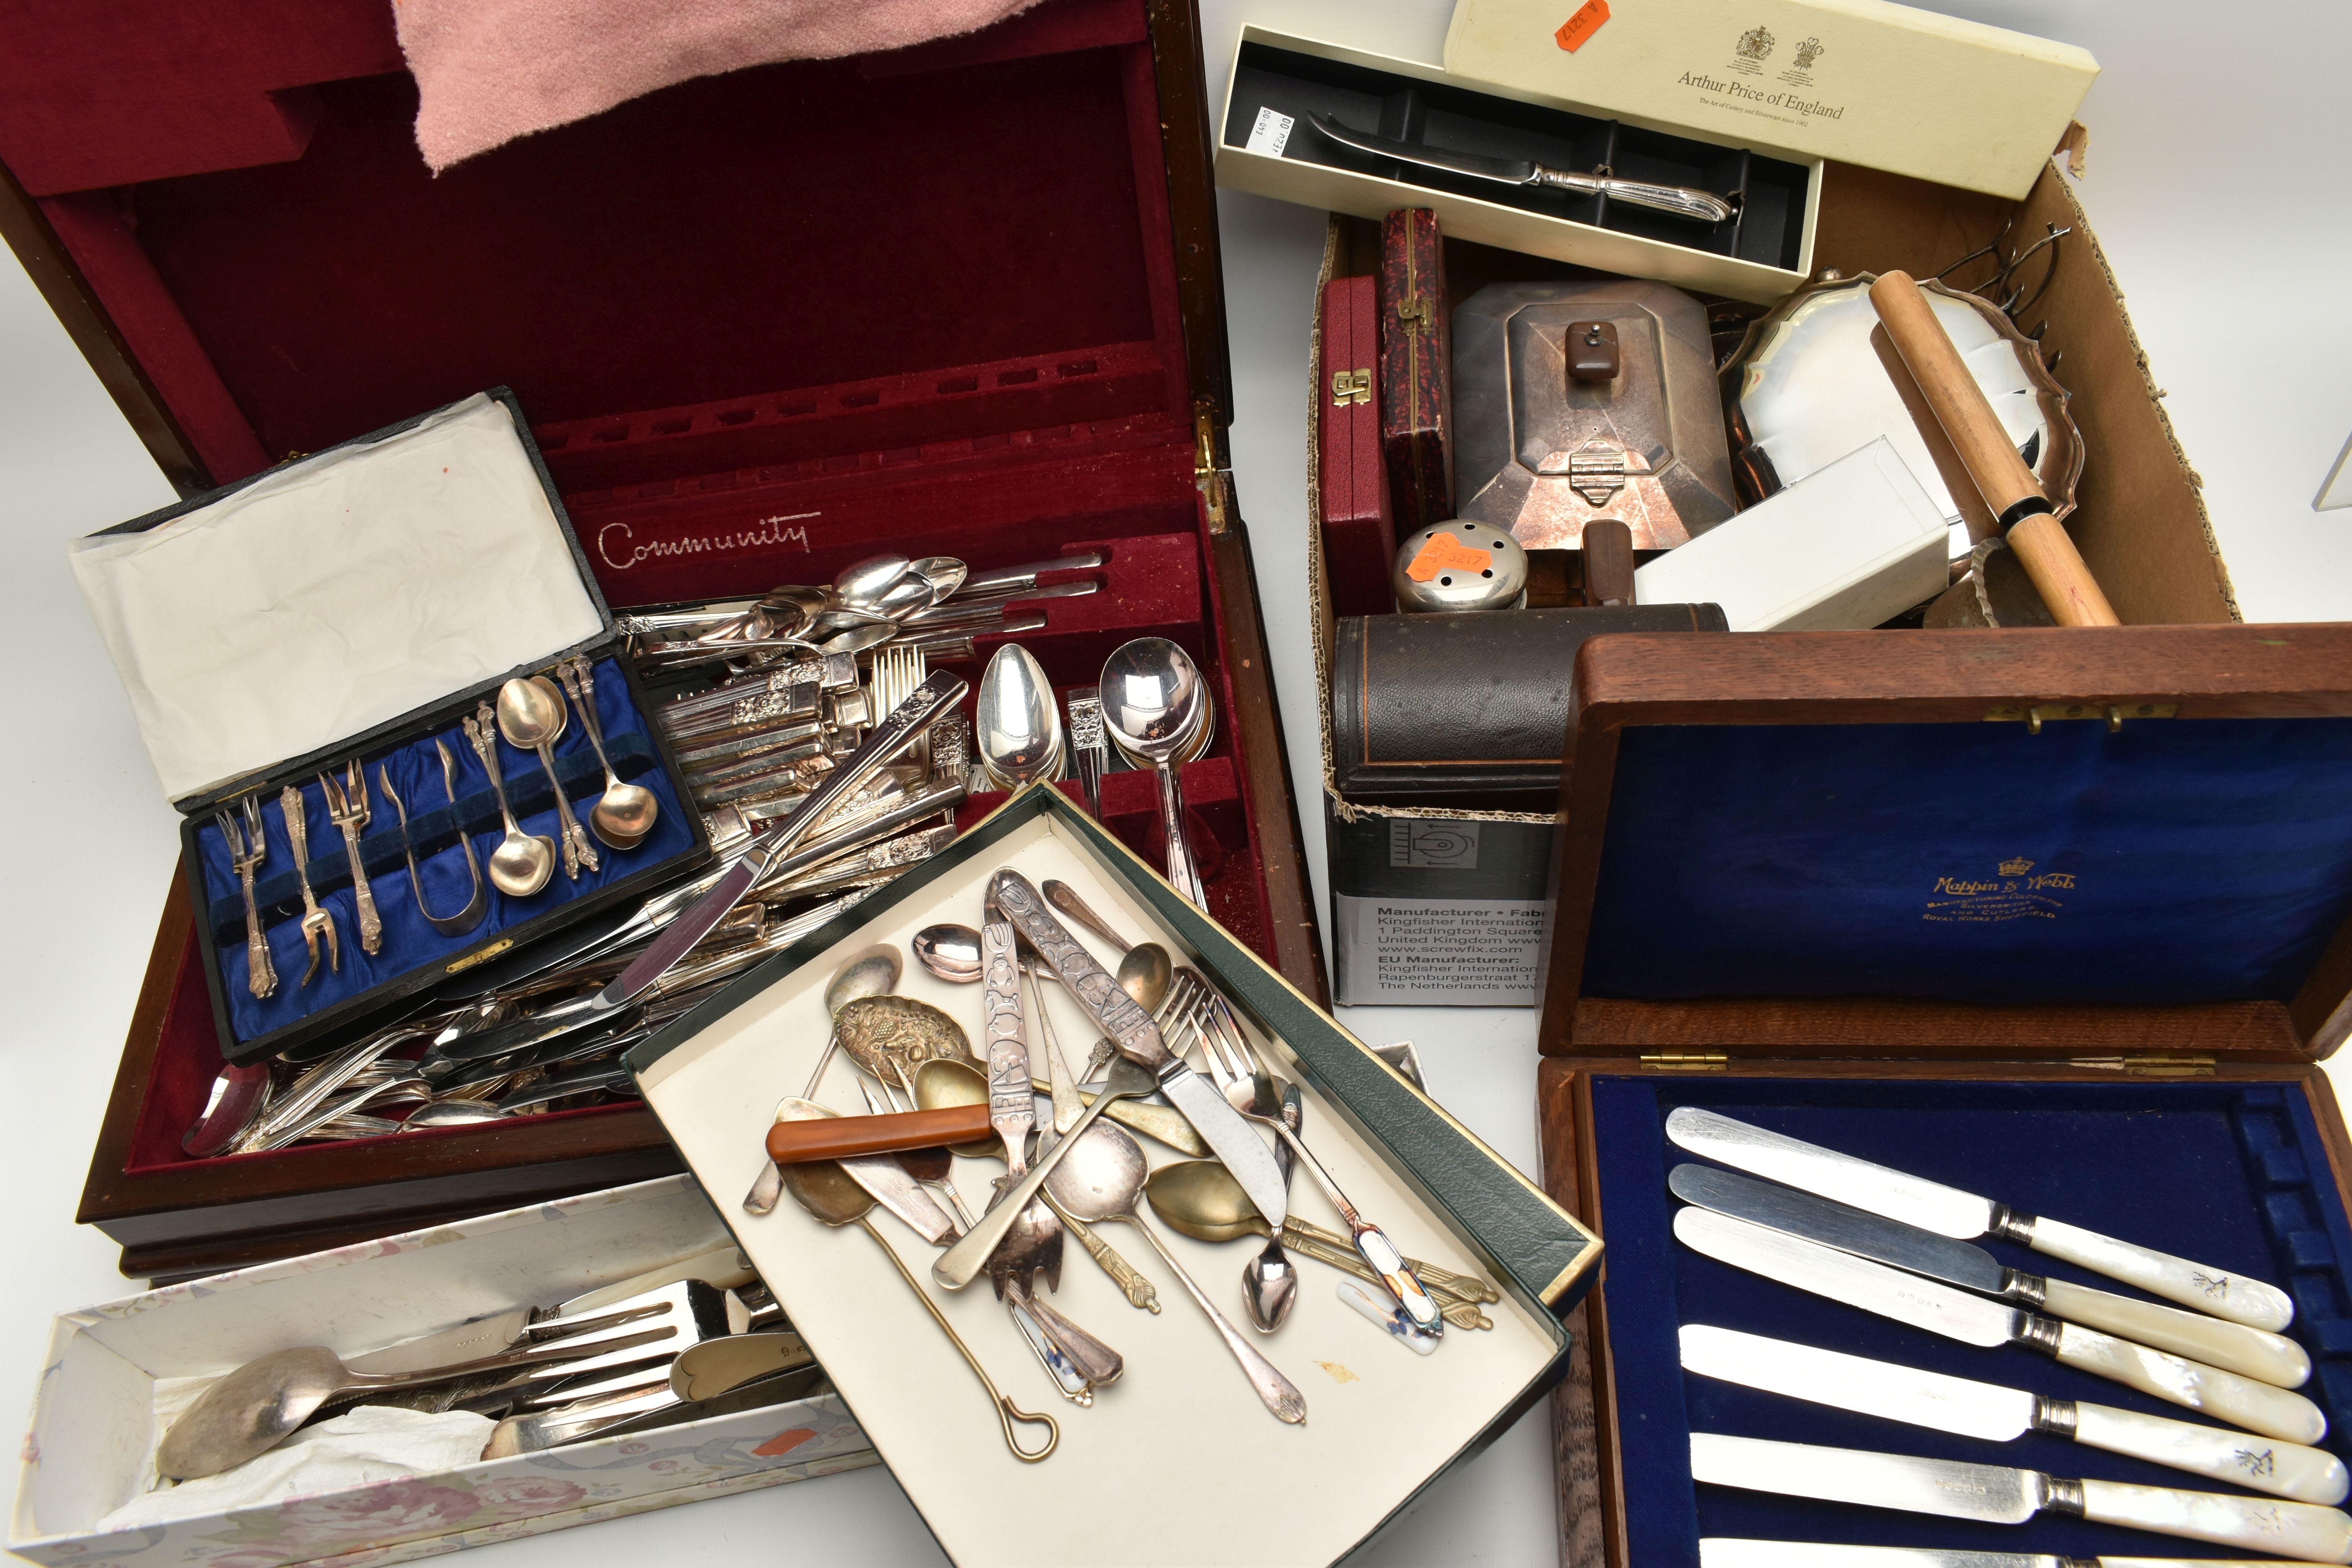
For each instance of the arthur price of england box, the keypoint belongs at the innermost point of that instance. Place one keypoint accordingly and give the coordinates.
(731, 391)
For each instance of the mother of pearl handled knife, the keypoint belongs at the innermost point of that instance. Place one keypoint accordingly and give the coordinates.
(1996, 1494)
(1947, 1211)
(1972, 1320)
(1703, 206)
(2001, 1414)
(2233, 1347)
(1729, 1551)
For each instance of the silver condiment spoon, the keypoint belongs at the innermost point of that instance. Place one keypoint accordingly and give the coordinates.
(624, 812)
(532, 718)
(522, 863)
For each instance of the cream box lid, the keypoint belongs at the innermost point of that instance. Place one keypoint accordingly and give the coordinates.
(1863, 81)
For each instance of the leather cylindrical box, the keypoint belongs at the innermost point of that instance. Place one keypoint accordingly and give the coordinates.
(1468, 711)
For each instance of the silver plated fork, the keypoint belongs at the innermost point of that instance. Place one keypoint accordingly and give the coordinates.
(346, 809)
(316, 921)
(1251, 1089)
(247, 848)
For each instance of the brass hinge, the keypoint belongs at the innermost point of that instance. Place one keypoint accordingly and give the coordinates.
(2040, 714)
(1214, 482)
(1685, 1061)
(2148, 1067)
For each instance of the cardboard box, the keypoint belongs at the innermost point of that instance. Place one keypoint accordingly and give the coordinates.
(1887, 87)
(1382, 1422)
(1267, 145)
(2140, 521)
(94, 1428)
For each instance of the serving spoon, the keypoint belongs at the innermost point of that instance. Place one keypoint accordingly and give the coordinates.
(522, 863)
(624, 812)
(533, 717)
(1154, 704)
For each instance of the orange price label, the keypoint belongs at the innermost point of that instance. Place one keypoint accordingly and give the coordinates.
(1582, 26)
(1444, 553)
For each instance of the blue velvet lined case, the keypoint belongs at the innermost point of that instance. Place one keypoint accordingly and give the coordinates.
(339, 1004)
(2233, 1173)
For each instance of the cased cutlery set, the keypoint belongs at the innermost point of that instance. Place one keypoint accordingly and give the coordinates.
(1892, 1245)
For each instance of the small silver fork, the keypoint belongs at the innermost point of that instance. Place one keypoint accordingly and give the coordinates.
(247, 848)
(346, 809)
(316, 921)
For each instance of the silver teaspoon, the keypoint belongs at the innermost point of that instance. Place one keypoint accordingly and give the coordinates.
(522, 862)
(1101, 1178)
(533, 717)
(624, 812)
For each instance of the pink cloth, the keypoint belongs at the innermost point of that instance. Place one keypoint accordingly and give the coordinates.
(490, 70)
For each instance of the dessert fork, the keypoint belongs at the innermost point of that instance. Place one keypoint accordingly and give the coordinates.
(346, 809)
(315, 920)
(247, 848)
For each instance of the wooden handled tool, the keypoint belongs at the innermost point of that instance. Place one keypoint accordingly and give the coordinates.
(846, 1137)
(2007, 486)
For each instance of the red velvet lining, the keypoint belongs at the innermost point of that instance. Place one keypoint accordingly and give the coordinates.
(768, 322)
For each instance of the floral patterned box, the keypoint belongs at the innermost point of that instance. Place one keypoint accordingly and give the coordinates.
(94, 1432)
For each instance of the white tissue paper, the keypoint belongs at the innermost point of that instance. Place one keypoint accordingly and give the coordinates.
(372, 1442)
(334, 594)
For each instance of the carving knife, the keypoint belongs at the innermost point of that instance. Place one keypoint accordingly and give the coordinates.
(1972, 1320)
(2233, 1347)
(1996, 1494)
(1680, 200)
(899, 728)
(1728, 1552)
(1131, 1029)
(1947, 1211)
(2000, 1415)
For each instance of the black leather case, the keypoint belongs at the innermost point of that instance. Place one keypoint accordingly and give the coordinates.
(1469, 711)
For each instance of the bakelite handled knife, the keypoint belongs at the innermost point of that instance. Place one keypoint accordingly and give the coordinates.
(846, 1136)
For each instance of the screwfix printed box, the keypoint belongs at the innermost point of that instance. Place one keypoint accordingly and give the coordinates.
(94, 1431)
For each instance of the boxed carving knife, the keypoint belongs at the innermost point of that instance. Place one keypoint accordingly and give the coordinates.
(270, 285)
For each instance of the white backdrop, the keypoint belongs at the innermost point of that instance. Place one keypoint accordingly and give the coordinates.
(2215, 182)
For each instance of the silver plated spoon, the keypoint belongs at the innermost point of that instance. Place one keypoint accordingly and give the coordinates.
(1017, 726)
(864, 582)
(532, 718)
(522, 863)
(624, 812)
(1154, 703)
(238, 1097)
(1101, 1178)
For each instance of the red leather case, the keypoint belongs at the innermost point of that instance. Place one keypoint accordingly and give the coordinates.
(1416, 377)
(964, 299)
(1359, 528)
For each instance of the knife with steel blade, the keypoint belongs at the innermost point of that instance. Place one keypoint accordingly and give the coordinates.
(2233, 1347)
(1996, 1494)
(1680, 200)
(1131, 1031)
(1947, 1211)
(1729, 1551)
(2000, 1415)
(1972, 1320)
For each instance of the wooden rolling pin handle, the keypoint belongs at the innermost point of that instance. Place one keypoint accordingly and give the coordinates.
(2007, 486)
(845, 1137)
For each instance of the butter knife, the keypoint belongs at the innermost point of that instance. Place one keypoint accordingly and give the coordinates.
(1680, 200)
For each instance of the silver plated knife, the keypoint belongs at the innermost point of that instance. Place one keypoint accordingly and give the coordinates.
(1680, 200)
(1996, 1494)
(2273, 1358)
(1972, 1320)
(1729, 1551)
(1948, 1211)
(2000, 1415)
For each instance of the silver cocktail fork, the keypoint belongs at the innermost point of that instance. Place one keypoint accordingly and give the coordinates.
(315, 920)
(246, 850)
(346, 809)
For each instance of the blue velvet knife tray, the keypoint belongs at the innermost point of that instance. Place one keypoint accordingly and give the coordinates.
(2054, 917)
(1382, 1422)
(361, 992)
